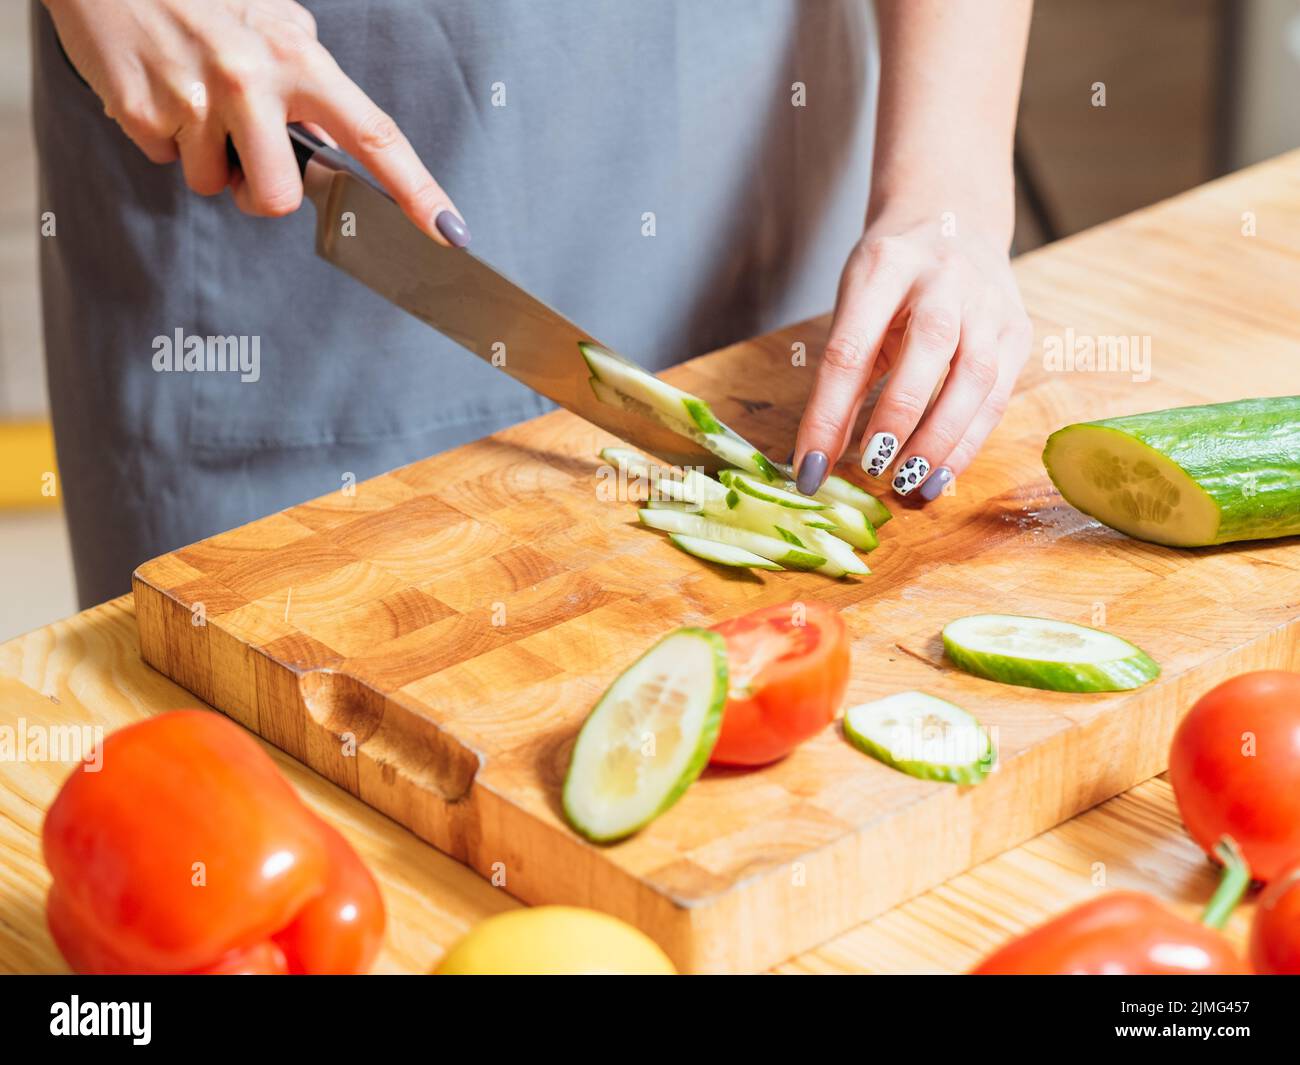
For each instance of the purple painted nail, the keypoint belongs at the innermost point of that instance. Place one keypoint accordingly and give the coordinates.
(812, 471)
(934, 484)
(453, 227)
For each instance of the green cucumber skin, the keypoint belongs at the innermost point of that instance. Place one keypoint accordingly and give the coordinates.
(703, 750)
(1122, 674)
(1244, 455)
(944, 774)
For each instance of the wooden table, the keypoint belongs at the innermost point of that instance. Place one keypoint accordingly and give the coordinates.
(87, 670)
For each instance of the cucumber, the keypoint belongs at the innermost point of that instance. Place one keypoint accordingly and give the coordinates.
(837, 490)
(840, 558)
(733, 448)
(922, 735)
(648, 737)
(721, 553)
(1187, 477)
(768, 492)
(852, 525)
(768, 548)
(634, 383)
(1042, 653)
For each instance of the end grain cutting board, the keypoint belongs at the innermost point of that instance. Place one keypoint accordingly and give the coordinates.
(432, 641)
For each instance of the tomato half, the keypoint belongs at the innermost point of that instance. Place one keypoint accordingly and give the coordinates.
(1235, 769)
(788, 668)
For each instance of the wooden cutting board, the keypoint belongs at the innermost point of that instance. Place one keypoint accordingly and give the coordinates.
(432, 640)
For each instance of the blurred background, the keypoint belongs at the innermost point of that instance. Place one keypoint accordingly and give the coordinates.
(1193, 89)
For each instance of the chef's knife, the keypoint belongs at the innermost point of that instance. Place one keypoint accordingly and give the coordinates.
(363, 232)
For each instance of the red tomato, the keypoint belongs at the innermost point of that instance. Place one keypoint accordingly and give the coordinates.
(1235, 769)
(1120, 934)
(789, 668)
(1275, 933)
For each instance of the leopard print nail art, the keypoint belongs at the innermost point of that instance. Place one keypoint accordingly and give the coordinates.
(910, 474)
(878, 453)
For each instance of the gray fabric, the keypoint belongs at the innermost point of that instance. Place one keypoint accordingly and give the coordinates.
(613, 108)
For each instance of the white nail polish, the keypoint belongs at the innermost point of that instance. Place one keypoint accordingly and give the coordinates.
(910, 474)
(879, 451)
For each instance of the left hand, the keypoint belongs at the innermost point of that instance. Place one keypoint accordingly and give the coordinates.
(935, 307)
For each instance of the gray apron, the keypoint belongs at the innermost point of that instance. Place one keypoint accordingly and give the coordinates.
(613, 109)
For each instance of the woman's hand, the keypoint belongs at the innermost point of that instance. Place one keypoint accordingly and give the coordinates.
(933, 305)
(928, 293)
(180, 76)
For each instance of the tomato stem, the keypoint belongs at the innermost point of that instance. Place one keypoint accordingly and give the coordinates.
(1233, 885)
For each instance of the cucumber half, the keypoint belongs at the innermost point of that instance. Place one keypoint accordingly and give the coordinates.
(1042, 653)
(769, 548)
(1187, 477)
(649, 737)
(923, 736)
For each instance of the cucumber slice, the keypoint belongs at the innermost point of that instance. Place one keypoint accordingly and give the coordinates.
(649, 737)
(838, 490)
(852, 525)
(1187, 477)
(922, 735)
(768, 492)
(722, 554)
(634, 383)
(740, 453)
(768, 548)
(840, 558)
(1042, 653)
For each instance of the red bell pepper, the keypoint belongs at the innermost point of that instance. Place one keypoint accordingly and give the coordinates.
(1126, 933)
(188, 852)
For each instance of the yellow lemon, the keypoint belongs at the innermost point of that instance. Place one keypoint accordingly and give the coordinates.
(554, 941)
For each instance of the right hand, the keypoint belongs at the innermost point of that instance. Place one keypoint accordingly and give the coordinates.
(179, 76)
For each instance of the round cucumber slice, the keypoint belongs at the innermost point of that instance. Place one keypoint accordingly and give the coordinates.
(1043, 653)
(767, 492)
(649, 737)
(922, 735)
(722, 554)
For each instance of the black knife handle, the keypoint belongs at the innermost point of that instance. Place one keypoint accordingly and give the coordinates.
(306, 147)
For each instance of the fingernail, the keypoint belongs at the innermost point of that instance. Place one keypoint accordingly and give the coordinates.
(453, 227)
(934, 484)
(910, 474)
(812, 471)
(878, 452)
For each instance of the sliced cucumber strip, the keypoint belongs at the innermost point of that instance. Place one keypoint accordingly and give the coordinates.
(838, 490)
(768, 492)
(649, 737)
(769, 548)
(722, 554)
(852, 525)
(922, 735)
(1042, 653)
(740, 453)
(841, 561)
(634, 383)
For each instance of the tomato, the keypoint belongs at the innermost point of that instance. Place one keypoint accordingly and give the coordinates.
(1121, 934)
(1275, 933)
(788, 668)
(1235, 769)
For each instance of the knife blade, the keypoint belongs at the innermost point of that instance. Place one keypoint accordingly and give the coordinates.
(363, 232)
